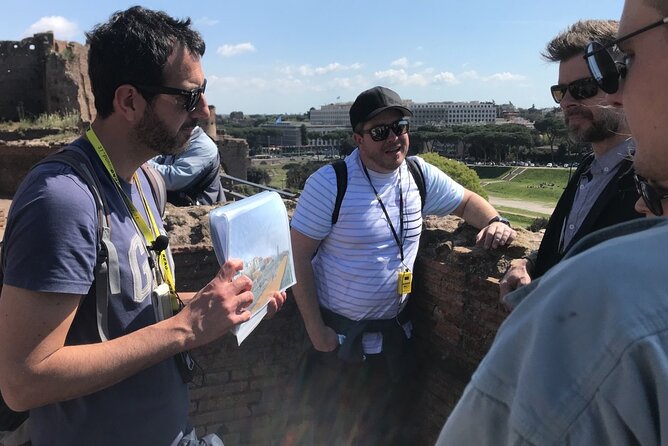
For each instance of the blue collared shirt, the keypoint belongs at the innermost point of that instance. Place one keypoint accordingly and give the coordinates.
(592, 183)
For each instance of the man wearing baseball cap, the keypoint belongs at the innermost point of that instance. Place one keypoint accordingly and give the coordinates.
(355, 272)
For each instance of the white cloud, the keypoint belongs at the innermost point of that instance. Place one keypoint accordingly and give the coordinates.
(400, 77)
(308, 70)
(206, 21)
(505, 76)
(234, 50)
(401, 62)
(62, 28)
(496, 77)
(446, 77)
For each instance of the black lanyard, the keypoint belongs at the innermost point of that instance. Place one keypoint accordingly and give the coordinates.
(387, 216)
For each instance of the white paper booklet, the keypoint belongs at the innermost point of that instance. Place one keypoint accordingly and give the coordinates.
(257, 231)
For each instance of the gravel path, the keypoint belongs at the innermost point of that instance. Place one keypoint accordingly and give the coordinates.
(521, 204)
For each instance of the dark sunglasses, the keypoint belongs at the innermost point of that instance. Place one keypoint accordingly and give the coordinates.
(603, 67)
(650, 195)
(381, 132)
(580, 89)
(191, 97)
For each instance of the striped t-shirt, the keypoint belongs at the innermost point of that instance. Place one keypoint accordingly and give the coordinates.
(356, 266)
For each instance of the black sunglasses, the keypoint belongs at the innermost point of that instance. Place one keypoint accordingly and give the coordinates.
(604, 69)
(191, 97)
(650, 195)
(580, 89)
(381, 132)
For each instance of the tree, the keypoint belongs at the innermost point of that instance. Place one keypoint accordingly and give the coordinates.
(553, 128)
(258, 175)
(304, 136)
(457, 171)
(297, 174)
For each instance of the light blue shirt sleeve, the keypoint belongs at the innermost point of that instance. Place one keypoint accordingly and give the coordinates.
(183, 170)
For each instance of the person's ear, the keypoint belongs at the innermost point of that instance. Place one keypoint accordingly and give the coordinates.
(357, 138)
(129, 102)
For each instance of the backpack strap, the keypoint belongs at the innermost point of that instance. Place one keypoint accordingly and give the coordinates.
(341, 171)
(418, 176)
(107, 271)
(158, 188)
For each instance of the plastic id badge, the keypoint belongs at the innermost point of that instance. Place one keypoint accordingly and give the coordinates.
(405, 282)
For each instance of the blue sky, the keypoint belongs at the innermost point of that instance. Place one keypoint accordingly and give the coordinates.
(288, 56)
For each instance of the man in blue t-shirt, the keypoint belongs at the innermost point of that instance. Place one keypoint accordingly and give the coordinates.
(148, 83)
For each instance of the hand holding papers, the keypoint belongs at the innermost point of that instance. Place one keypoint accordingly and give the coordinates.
(257, 231)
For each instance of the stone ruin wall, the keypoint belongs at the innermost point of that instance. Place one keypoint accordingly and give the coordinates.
(456, 316)
(42, 75)
(17, 156)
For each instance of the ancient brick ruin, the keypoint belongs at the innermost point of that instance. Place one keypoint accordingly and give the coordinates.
(457, 313)
(42, 75)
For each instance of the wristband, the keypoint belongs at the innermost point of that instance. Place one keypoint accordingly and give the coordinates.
(500, 219)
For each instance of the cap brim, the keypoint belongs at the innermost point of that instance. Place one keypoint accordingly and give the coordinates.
(374, 113)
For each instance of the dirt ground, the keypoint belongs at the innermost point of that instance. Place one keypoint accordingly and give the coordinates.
(4, 210)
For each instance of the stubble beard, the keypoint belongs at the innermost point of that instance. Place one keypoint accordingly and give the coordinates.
(152, 133)
(605, 126)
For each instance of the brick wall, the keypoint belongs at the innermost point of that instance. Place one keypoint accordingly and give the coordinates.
(234, 156)
(42, 75)
(456, 314)
(245, 386)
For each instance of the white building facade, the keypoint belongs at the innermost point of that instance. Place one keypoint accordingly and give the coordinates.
(439, 114)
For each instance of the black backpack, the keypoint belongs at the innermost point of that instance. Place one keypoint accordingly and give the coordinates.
(106, 273)
(341, 172)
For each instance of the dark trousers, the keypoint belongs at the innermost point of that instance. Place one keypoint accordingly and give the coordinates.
(341, 403)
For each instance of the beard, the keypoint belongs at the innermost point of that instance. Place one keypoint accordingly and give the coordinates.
(152, 132)
(603, 126)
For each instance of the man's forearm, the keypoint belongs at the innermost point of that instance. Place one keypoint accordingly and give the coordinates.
(47, 374)
(475, 210)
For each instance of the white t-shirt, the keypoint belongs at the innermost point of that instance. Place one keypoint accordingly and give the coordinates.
(357, 264)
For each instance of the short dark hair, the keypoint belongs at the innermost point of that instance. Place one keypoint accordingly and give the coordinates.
(132, 47)
(572, 41)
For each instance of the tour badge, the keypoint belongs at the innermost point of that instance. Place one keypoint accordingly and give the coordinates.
(405, 282)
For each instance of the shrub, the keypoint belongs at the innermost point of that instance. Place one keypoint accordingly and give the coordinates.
(538, 224)
(297, 175)
(457, 171)
(258, 175)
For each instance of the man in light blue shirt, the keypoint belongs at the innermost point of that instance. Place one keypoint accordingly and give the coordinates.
(583, 359)
(193, 176)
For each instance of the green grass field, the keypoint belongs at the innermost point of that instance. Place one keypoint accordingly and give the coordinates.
(534, 184)
(520, 218)
(540, 185)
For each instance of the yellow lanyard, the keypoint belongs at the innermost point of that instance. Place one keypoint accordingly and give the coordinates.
(149, 236)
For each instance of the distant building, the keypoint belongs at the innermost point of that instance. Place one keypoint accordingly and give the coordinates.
(336, 115)
(444, 114)
(440, 114)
